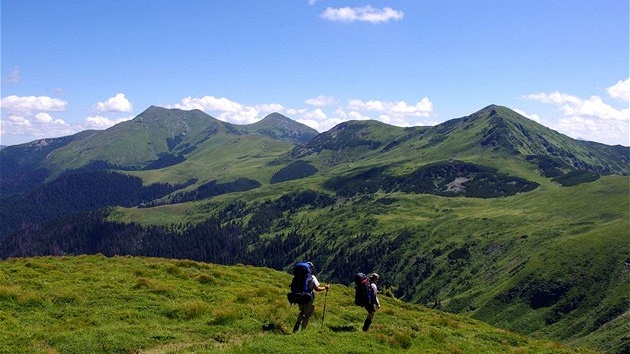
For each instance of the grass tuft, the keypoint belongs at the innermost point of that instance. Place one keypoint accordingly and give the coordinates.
(187, 310)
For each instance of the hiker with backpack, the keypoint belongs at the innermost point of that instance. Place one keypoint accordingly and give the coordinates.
(303, 286)
(366, 296)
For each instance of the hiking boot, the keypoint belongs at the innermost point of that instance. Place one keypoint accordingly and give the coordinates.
(366, 324)
(297, 325)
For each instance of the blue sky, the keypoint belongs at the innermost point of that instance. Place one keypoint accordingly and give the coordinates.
(73, 65)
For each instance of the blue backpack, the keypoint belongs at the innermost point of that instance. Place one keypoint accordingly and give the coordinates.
(363, 292)
(301, 292)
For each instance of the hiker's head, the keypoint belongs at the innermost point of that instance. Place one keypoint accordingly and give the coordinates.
(310, 264)
(374, 277)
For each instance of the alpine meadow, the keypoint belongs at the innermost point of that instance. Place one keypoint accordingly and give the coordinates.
(175, 232)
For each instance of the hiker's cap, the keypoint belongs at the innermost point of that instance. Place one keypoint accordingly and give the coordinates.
(374, 275)
(310, 264)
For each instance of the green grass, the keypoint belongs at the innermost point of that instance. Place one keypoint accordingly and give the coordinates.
(96, 304)
(224, 158)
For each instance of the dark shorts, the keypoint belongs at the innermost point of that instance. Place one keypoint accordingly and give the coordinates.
(370, 307)
(307, 308)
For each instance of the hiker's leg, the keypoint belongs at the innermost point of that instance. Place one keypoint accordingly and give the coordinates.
(296, 327)
(368, 319)
(309, 311)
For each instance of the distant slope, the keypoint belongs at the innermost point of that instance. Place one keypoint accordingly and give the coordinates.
(146, 305)
(279, 127)
(155, 139)
(155, 133)
(167, 134)
(510, 131)
(492, 132)
(21, 165)
(349, 142)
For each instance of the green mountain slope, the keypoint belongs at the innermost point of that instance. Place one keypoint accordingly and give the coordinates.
(490, 136)
(160, 133)
(146, 305)
(155, 139)
(21, 164)
(279, 127)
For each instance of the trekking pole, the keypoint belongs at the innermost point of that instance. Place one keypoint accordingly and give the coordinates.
(324, 314)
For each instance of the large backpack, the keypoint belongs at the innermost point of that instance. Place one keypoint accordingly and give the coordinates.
(363, 294)
(301, 292)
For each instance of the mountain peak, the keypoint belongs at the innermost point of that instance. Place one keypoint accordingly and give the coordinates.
(161, 112)
(276, 117)
(280, 127)
(493, 110)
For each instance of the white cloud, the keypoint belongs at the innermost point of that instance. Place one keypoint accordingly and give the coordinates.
(322, 118)
(28, 104)
(43, 117)
(363, 14)
(321, 101)
(591, 118)
(28, 117)
(312, 2)
(400, 109)
(296, 112)
(42, 125)
(100, 122)
(225, 109)
(209, 103)
(609, 132)
(396, 113)
(118, 103)
(576, 106)
(267, 108)
(620, 90)
(534, 117)
(318, 120)
(16, 120)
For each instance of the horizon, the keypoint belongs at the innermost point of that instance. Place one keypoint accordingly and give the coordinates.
(271, 113)
(70, 67)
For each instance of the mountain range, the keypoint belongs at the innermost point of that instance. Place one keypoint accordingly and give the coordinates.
(491, 215)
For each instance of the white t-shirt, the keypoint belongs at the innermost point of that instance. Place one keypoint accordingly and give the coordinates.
(314, 282)
(375, 290)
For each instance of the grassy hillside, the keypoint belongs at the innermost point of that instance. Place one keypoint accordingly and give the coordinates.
(539, 262)
(145, 305)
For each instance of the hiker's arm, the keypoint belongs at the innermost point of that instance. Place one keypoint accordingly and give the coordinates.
(378, 303)
(323, 287)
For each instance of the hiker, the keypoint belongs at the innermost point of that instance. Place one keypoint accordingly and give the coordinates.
(372, 305)
(307, 308)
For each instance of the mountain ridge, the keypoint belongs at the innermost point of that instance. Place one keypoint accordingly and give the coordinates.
(173, 133)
